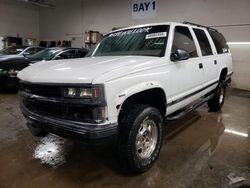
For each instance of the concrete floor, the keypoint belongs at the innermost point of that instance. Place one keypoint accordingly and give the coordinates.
(200, 150)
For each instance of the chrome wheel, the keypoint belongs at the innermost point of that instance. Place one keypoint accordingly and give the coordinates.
(146, 139)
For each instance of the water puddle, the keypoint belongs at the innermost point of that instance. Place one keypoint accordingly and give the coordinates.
(52, 150)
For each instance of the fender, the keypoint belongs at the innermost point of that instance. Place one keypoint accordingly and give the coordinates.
(125, 94)
(223, 67)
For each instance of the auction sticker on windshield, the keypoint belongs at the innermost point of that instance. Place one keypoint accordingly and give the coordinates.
(156, 35)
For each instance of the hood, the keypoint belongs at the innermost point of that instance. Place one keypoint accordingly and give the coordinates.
(13, 62)
(85, 70)
(7, 57)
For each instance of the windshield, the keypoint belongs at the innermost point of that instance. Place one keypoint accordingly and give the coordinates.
(13, 50)
(46, 54)
(144, 41)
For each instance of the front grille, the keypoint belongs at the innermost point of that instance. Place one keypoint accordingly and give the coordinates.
(64, 111)
(41, 90)
(83, 110)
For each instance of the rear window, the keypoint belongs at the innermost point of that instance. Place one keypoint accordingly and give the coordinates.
(219, 42)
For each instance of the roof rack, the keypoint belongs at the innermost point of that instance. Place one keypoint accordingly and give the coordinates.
(198, 25)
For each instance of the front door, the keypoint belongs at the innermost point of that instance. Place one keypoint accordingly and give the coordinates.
(186, 75)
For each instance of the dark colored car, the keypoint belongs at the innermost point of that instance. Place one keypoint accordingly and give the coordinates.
(20, 50)
(11, 65)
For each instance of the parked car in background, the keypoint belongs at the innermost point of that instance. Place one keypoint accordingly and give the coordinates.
(56, 53)
(11, 65)
(21, 50)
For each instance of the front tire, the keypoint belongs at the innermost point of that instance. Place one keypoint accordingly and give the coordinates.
(141, 133)
(216, 102)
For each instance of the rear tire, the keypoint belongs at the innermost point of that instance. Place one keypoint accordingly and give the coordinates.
(216, 102)
(141, 133)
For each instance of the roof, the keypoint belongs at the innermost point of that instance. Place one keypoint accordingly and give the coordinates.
(163, 23)
(66, 48)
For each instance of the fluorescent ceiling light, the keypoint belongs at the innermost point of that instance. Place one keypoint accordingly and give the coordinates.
(238, 43)
(236, 133)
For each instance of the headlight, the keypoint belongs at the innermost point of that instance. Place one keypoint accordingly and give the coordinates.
(96, 91)
(13, 72)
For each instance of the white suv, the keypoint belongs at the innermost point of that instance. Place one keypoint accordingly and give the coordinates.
(132, 81)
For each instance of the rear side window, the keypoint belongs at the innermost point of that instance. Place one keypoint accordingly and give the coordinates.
(82, 53)
(203, 42)
(183, 40)
(70, 54)
(219, 42)
(39, 49)
(31, 51)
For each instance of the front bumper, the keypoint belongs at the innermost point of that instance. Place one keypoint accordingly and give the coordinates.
(78, 131)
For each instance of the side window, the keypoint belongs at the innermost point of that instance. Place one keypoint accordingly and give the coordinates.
(203, 42)
(30, 51)
(39, 49)
(82, 53)
(219, 42)
(70, 54)
(183, 40)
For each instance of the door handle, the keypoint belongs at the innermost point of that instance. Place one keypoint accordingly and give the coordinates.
(200, 65)
(215, 62)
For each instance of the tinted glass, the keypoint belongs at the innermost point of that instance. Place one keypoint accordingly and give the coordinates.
(70, 54)
(39, 49)
(219, 42)
(82, 53)
(144, 41)
(13, 50)
(203, 42)
(31, 51)
(46, 54)
(183, 40)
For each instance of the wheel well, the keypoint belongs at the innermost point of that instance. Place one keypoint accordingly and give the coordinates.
(223, 74)
(152, 97)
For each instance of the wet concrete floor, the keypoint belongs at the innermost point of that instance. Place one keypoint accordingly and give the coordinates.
(200, 150)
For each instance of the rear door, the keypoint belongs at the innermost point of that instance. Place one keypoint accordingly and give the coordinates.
(208, 59)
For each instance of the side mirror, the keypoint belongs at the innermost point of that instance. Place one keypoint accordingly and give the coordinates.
(179, 55)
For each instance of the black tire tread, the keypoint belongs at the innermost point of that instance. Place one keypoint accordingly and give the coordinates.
(129, 118)
(214, 104)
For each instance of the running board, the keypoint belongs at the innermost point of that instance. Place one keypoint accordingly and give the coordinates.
(181, 113)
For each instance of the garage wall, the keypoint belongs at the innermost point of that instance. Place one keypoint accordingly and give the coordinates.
(72, 19)
(17, 17)
(64, 22)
